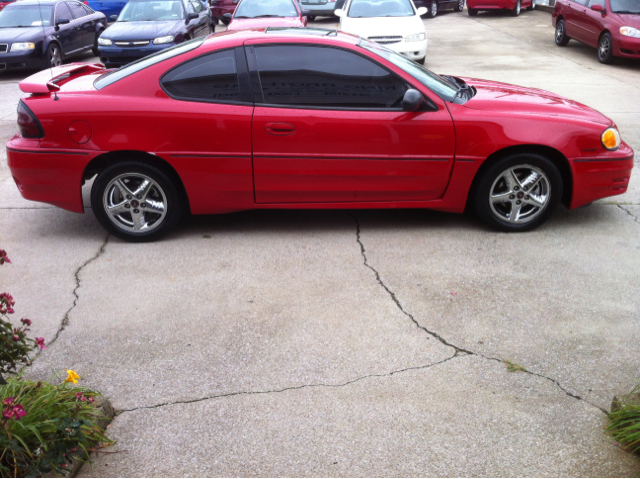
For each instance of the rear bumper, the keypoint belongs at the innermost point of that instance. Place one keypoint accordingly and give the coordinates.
(319, 10)
(601, 176)
(219, 11)
(48, 175)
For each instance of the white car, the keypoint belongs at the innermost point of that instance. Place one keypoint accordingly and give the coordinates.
(395, 24)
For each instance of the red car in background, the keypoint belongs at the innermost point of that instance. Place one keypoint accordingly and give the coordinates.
(4, 3)
(306, 119)
(513, 6)
(611, 26)
(220, 7)
(267, 13)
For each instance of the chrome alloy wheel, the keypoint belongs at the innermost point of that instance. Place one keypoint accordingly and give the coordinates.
(55, 56)
(518, 8)
(559, 32)
(519, 194)
(604, 47)
(460, 5)
(135, 203)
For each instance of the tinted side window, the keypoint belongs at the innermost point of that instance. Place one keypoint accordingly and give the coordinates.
(77, 9)
(212, 77)
(63, 12)
(197, 6)
(581, 2)
(325, 77)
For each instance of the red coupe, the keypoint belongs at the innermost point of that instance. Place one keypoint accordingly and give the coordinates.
(260, 14)
(303, 118)
(612, 26)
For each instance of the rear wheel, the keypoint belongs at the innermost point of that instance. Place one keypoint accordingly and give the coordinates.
(433, 9)
(460, 6)
(311, 18)
(225, 21)
(136, 201)
(472, 12)
(54, 56)
(516, 10)
(561, 34)
(532, 6)
(605, 49)
(518, 192)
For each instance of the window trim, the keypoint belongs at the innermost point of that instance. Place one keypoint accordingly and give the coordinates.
(259, 97)
(55, 12)
(242, 76)
(70, 3)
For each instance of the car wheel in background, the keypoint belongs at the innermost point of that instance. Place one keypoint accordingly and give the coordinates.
(54, 56)
(136, 201)
(605, 49)
(460, 6)
(516, 10)
(311, 18)
(518, 192)
(94, 49)
(561, 34)
(225, 21)
(433, 9)
(472, 12)
(532, 6)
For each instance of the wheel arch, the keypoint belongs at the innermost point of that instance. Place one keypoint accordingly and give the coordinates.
(99, 163)
(552, 154)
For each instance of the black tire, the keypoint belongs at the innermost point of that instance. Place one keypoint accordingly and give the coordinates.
(497, 192)
(433, 9)
(532, 6)
(459, 6)
(53, 57)
(422, 60)
(561, 34)
(94, 49)
(225, 21)
(311, 18)
(605, 49)
(472, 12)
(516, 10)
(157, 210)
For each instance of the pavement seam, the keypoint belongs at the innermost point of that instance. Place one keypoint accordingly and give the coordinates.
(636, 219)
(292, 388)
(437, 336)
(65, 320)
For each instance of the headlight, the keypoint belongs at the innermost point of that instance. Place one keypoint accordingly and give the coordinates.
(105, 42)
(163, 40)
(18, 47)
(610, 139)
(416, 38)
(630, 32)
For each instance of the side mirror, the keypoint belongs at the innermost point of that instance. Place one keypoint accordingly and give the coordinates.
(340, 13)
(228, 16)
(192, 16)
(305, 13)
(597, 8)
(113, 18)
(62, 21)
(412, 100)
(422, 11)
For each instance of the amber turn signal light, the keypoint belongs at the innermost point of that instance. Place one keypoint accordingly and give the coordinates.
(610, 139)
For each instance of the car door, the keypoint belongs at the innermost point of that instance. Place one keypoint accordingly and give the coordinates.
(328, 127)
(593, 23)
(83, 23)
(67, 34)
(201, 23)
(575, 19)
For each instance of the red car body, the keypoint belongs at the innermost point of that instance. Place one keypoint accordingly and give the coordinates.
(588, 26)
(298, 21)
(4, 3)
(232, 157)
(475, 5)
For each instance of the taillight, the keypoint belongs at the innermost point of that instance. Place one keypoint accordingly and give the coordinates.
(29, 125)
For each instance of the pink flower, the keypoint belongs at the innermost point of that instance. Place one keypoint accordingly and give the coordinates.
(26, 321)
(3, 257)
(7, 401)
(91, 399)
(40, 343)
(6, 303)
(16, 338)
(14, 412)
(78, 395)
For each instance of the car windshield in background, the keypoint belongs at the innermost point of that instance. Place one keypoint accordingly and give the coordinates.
(380, 8)
(112, 77)
(265, 9)
(152, 11)
(433, 82)
(25, 16)
(625, 6)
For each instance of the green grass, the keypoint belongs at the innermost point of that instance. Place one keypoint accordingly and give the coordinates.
(513, 367)
(624, 425)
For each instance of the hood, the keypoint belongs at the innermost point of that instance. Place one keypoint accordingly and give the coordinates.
(626, 19)
(140, 30)
(382, 26)
(12, 35)
(495, 96)
(262, 23)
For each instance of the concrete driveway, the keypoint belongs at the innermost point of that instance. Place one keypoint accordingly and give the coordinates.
(364, 343)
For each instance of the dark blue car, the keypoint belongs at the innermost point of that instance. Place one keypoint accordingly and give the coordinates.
(147, 26)
(108, 7)
(36, 34)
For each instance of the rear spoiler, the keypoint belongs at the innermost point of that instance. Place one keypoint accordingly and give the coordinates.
(45, 81)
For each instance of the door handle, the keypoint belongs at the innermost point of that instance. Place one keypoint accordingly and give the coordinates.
(280, 128)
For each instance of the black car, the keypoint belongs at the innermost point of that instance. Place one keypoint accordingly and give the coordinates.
(434, 6)
(36, 34)
(147, 26)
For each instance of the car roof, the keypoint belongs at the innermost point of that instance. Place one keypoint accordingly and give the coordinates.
(37, 2)
(285, 34)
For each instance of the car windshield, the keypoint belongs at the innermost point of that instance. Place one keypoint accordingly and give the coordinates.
(152, 11)
(25, 16)
(131, 68)
(433, 82)
(265, 9)
(380, 8)
(625, 6)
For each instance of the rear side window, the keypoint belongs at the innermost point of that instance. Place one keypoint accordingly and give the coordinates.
(325, 77)
(63, 12)
(597, 2)
(212, 77)
(77, 9)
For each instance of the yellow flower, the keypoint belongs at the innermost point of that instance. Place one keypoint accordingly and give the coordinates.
(72, 377)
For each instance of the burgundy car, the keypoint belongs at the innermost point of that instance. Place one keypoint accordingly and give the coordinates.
(220, 7)
(267, 13)
(512, 6)
(303, 118)
(612, 26)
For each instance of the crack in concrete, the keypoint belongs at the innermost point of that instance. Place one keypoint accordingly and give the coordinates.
(291, 388)
(635, 218)
(65, 320)
(437, 336)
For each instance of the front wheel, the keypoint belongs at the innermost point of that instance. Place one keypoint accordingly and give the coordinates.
(136, 201)
(225, 21)
(561, 34)
(516, 10)
(54, 56)
(605, 49)
(433, 9)
(311, 18)
(460, 6)
(472, 12)
(532, 6)
(518, 192)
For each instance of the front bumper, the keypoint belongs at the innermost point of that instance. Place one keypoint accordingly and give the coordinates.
(24, 60)
(413, 50)
(115, 55)
(624, 46)
(318, 9)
